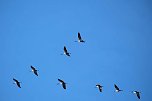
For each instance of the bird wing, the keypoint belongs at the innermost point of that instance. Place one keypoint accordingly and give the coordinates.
(65, 50)
(18, 84)
(60, 80)
(79, 36)
(138, 95)
(35, 72)
(100, 89)
(15, 80)
(64, 85)
(33, 68)
(116, 87)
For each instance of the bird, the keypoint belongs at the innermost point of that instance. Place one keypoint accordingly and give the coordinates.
(99, 87)
(62, 83)
(34, 70)
(117, 89)
(17, 83)
(137, 94)
(80, 38)
(66, 52)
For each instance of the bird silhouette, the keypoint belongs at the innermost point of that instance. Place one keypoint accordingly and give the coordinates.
(117, 88)
(80, 38)
(17, 83)
(137, 94)
(34, 70)
(62, 83)
(66, 52)
(99, 87)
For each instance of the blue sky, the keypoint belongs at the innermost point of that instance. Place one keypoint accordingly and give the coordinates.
(118, 49)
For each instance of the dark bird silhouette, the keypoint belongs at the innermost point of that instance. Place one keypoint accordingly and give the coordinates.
(17, 83)
(62, 83)
(99, 87)
(34, 70)
(117, 89)
(79, 38)
(137, 94)
(66, 52)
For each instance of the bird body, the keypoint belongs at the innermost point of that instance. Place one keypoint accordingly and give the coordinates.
(17, 83)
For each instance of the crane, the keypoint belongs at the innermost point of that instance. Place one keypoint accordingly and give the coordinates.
(99, 87)
(34, 70)
(117, 88)
(80, 38)
(17, 83)
(62, 83)
(66, 52)
(137, 94)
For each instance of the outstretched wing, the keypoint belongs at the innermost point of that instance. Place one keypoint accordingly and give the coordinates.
(138, 95)
(79, 36)
(100, 89)
(60, 80)
(18, 84)
(15, 80)
(35, 72)
(33, 68)
(65, 50)
(116, 87)
(64, 85)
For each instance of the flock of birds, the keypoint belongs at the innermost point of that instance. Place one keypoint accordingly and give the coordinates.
(100, 87)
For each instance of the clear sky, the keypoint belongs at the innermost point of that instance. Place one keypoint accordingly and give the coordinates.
(118, 50)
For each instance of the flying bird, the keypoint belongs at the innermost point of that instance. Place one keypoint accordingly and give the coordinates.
(66, 52)
(62, 83)
(137, 94)
(79, 38)
(17, 83)
(34, 70)
(117, 89)
(99, 87)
